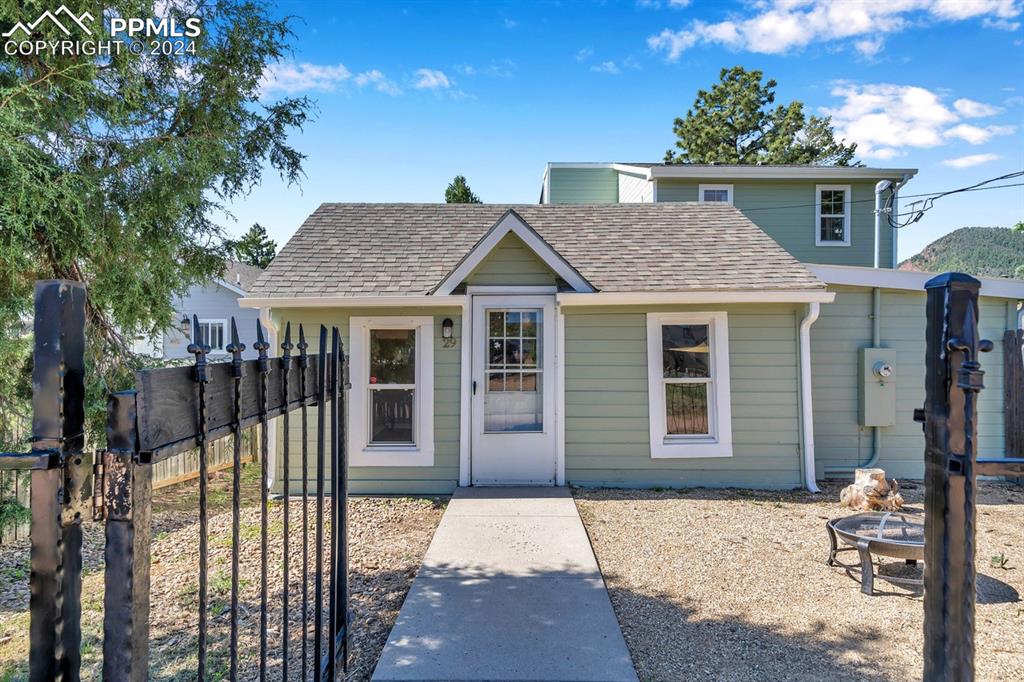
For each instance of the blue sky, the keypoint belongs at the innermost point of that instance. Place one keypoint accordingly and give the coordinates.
(412, 93)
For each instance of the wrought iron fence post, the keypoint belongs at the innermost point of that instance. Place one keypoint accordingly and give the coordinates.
(953, 379)
(128, 495)
(61, 493)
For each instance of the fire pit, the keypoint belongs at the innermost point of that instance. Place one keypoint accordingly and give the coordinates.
(892, 534)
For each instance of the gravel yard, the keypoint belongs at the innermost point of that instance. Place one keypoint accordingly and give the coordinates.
(732, 584)
(387, 539)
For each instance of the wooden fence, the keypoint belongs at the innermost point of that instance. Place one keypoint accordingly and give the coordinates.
(14, 485)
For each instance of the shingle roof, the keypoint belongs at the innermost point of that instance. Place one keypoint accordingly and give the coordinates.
(407, 249)
(241, 275)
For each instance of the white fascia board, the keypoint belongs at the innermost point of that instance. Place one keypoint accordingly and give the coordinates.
(623, 167)
(691, 297)
(762, 172)
(909, 280)
(511, 222)
(278, 302)
(230, 287)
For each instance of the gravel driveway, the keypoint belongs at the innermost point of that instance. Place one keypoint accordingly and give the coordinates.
(732, 585)
(387, 540)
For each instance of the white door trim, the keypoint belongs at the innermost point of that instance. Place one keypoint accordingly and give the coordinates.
(550, 376)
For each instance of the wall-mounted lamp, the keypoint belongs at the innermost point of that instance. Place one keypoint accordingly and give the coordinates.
(447, 327)
(186, 326)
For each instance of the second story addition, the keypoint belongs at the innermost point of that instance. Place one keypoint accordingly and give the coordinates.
(820, 214)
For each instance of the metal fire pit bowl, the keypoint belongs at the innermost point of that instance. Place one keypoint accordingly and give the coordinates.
(891, 534)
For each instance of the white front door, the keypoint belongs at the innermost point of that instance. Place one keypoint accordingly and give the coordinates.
(513, 390)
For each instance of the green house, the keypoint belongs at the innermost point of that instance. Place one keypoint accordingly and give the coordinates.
(624, 335)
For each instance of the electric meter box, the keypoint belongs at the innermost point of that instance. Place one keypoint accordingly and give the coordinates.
(877, 386)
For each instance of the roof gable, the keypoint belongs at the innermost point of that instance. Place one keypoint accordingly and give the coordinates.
(511, 223)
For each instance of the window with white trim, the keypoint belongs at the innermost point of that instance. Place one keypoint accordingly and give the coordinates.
(391, 368)
(832, 215)
(211, 333)
(714, 194)
(688, 384)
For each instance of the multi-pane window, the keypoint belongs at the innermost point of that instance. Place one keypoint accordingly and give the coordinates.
(687, 379)
(392, 386)
(514, 399)
(211, 333)
(715, 194)
(833, 215)
(688, 384)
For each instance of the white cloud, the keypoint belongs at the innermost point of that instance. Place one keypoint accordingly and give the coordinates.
(968, 108)
(971, 160)
(511, 23)
(869, 47)
(885, 119)
(379, 82)
(608, 67)
(584, 54)
(291, 78)
(656, 4)
(1000, 24)
(431, 79)
(781, 26)
(975, 135)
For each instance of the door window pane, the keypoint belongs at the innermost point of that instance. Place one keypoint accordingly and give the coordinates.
(392, 356)
(684, 351)
(686, 409)
(513, 400)
(391, 416)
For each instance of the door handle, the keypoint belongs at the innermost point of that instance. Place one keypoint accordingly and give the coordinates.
(474, 388)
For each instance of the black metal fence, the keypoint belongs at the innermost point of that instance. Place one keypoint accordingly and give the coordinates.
(170, 411)
(953, 379)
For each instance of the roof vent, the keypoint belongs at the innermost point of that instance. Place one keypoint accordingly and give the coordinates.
(238, 279)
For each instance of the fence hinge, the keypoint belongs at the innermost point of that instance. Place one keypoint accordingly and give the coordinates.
(98, 509)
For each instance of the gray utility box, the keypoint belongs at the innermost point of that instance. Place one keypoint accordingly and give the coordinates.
(877, 382)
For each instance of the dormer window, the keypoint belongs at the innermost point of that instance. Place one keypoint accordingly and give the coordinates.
(832, 215)
(721, 194)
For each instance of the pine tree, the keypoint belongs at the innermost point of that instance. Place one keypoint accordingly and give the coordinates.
(458, 192)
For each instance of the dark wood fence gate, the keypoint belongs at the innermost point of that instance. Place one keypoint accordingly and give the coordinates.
(173, 410)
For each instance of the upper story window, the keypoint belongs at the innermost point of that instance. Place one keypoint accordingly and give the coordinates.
(688, 384)
(211, 333)
(832, 215)
(714, 194)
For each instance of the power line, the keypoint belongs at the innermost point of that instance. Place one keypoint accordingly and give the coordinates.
(928, 203)
(978, 187)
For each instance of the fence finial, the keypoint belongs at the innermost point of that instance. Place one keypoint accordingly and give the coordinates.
(199, 350)
(236, 348)
(261, 347)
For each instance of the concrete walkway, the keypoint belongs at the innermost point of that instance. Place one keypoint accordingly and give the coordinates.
(509, 590)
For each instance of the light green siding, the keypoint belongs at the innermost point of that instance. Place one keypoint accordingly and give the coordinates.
(606, 414)
(583, 186)
(785, 210)
(438, 479)
(843, 328)
(512, 263)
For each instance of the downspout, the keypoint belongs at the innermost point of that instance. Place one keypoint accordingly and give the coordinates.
(806, 406)
(267, 321)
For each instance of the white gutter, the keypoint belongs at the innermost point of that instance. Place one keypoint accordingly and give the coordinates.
(802, 172)
(806, 406)
(351, 301)
(909, 280)
(570, 299)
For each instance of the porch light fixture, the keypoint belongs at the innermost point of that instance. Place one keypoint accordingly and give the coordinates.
(186, 326)
(446, 328)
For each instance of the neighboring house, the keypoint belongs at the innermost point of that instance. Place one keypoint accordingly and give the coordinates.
(626, 344)
(214, 304)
